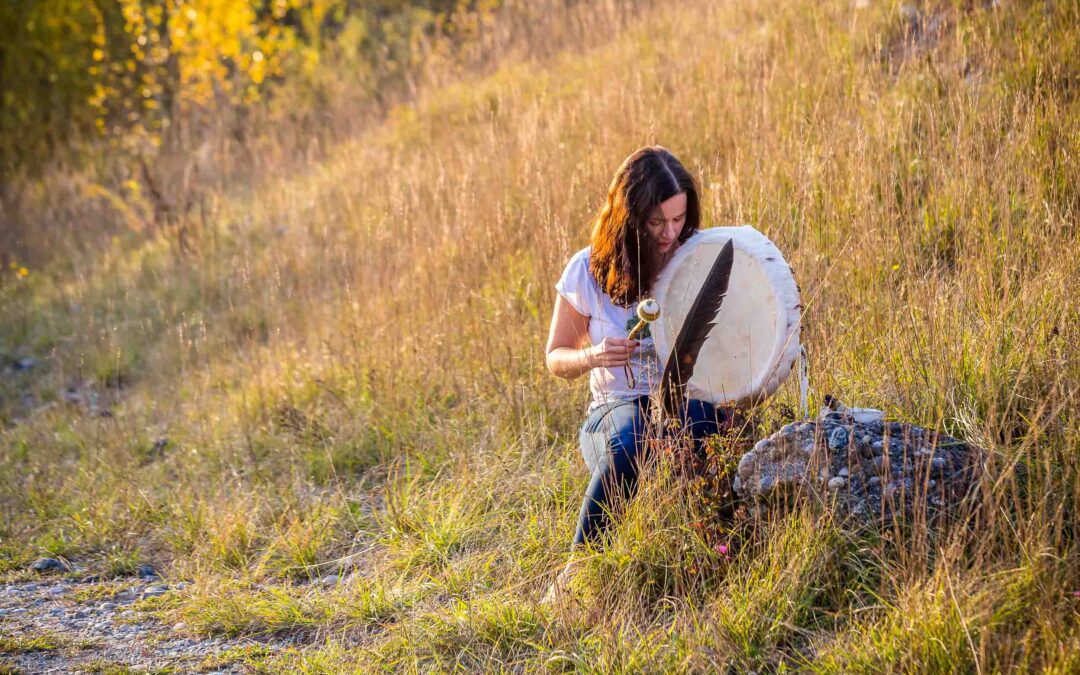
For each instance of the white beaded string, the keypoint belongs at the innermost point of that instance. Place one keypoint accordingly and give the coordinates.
(804, 381)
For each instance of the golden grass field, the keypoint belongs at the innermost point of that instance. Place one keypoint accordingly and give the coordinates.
(346, 358)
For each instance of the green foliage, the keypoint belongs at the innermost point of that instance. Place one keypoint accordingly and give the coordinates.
(46, 49)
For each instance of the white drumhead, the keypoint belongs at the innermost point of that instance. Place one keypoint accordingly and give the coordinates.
(755, 341)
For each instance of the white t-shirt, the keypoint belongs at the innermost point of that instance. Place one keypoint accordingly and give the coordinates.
(608, 320)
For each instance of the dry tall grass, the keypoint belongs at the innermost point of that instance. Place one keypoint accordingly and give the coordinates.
(348, 359)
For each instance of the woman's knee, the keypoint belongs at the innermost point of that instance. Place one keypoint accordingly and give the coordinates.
(595, 435)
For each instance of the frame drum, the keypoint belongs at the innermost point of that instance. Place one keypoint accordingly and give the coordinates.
(754, 343)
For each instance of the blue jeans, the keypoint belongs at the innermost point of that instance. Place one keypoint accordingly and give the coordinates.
(611, 443)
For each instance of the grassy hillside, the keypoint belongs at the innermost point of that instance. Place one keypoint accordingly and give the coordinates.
(344, 365)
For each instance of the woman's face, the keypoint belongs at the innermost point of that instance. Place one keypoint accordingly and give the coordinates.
(666, 223)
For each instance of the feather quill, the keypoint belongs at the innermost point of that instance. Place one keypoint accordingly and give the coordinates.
(693, 333)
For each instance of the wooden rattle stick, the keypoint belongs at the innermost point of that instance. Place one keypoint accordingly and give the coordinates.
(648, 310)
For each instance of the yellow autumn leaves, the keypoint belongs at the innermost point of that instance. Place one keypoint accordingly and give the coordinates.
(20, 271)
(75, 70)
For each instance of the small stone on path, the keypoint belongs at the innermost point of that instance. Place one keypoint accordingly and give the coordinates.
(49, 565)
(147, 571)
(25, 363)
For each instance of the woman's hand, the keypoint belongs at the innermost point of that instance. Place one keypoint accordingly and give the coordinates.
(611, 352)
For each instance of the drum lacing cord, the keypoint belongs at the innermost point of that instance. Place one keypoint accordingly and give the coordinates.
(804, 381)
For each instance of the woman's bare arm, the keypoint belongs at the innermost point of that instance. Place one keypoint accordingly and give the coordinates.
(566, 357)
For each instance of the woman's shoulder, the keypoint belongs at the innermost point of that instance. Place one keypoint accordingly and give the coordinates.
(581, 255)
(577, 284)
(578, 263)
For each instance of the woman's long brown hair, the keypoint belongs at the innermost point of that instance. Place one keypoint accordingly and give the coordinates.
(623, 259)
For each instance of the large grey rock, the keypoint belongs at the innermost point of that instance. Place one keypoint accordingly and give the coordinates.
(855, 461)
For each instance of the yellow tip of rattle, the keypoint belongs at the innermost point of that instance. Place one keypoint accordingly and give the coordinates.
(648, 310)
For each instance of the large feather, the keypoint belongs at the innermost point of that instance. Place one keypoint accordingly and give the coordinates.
(695, 329)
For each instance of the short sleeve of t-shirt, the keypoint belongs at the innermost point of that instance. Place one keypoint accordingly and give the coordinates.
(577, 285)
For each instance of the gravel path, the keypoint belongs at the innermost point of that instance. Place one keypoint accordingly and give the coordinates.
(63, 626)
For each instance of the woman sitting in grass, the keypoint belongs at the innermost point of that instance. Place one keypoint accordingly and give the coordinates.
(652, 207)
